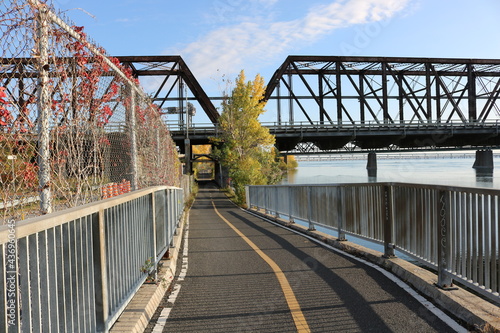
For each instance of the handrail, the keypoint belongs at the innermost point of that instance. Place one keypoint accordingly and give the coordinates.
(36, 224)
(357, 125)
(81, 266)
(451, 229)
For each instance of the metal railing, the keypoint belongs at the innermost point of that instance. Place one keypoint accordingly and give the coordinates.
(76, 270)
(453, 230)
(317, 126)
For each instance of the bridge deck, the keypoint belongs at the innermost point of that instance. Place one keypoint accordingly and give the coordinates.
(229, 287)
(327, 136)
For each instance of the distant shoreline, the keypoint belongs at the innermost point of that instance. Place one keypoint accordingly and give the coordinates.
(389, 156)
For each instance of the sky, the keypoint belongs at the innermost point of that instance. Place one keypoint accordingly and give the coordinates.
(218, 38)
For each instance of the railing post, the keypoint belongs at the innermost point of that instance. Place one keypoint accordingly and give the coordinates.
(309, 208)
(266, 201)
(340, 217)
(172, 212)
(276, 201)
(176, 213)
(247, 195)
(153, 225)
(100, 272)
(388, 222)
(444, 278)
(290, 213)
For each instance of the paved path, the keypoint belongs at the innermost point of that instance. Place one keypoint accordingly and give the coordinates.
(233, 282)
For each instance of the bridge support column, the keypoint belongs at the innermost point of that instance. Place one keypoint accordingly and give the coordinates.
(371, 166)
(187, 156)
(484, 160)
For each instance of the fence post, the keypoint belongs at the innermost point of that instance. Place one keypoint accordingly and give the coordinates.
(340, 215)
(153, 223)
(172, 212)
(247, 195)
(388, 222)
(266, 200)
(290, 212)
(309, 209)
(176, 213)
(444, 278)
(133, 139)
(276, 201)
(158, 151)
(44, 112)
(100, 272)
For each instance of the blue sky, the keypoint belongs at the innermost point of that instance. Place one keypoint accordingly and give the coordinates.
(218, 38)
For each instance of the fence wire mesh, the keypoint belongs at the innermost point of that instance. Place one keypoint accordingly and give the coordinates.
(73, 120)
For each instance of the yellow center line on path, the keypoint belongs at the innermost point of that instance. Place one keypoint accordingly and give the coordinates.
(293, 305)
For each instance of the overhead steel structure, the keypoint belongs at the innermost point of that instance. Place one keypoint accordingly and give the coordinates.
(389, 90)
(375, 92)
(172, 73)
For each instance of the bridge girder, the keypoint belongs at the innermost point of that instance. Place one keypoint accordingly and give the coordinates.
(170, 70)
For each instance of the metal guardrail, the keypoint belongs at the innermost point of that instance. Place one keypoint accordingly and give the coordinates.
(453, 230)
(317, 126)
(76, 270)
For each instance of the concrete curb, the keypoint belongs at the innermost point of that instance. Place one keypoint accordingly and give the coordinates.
(474, 312)
(140, 310)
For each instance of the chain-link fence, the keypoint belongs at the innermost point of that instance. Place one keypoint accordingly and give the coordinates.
(73, 120)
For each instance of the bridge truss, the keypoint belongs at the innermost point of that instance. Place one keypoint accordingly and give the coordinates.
(375, 92)
(171, 78)
(388, 90)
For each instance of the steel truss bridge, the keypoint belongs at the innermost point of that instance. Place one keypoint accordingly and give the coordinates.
(333, 103)
(395, 103)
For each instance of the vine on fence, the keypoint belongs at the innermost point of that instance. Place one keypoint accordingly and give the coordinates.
(5, 116)
(90, 118)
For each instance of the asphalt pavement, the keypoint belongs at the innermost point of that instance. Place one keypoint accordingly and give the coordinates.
(229, 286)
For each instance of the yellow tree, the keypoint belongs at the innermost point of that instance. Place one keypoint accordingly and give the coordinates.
(247, 148)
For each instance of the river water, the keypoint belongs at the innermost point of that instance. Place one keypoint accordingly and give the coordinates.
(438, 169)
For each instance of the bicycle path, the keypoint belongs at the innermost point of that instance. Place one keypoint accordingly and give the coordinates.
(243, 274)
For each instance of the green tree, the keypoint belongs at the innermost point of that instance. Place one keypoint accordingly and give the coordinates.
(246, 148)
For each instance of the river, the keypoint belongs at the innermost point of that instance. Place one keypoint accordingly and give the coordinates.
(430, 168)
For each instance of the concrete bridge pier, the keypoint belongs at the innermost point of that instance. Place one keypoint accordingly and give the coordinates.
(484, 160)
(484, 165)
(371, 166)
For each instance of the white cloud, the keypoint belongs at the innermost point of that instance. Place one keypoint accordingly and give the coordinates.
(229, 48)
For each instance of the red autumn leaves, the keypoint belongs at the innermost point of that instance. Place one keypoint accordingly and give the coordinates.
(5, 115)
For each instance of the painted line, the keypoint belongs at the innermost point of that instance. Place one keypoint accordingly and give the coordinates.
(173, 295)
(293, 304)
(184, 267)
(162, 319)
(431, 307)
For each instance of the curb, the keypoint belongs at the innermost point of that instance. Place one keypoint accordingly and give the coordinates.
(473, 311)
(140, 310)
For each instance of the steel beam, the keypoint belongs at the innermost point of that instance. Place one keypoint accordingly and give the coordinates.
(155, 67)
